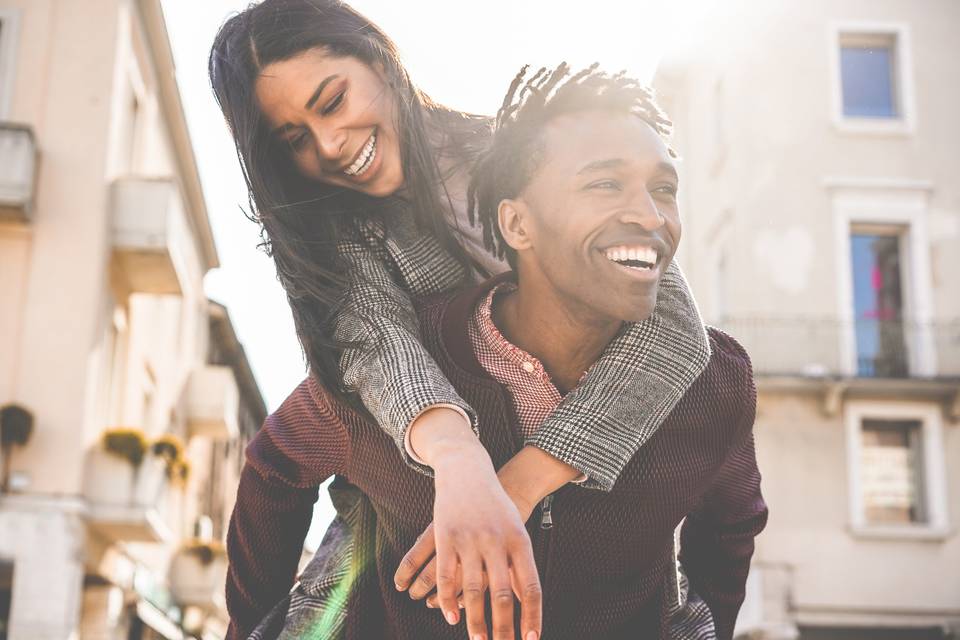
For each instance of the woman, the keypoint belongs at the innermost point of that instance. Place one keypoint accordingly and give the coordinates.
(358, 180)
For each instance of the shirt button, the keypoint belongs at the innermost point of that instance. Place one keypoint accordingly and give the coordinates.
(528, 367)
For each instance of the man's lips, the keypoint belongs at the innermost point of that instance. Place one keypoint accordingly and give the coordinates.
(639, 255)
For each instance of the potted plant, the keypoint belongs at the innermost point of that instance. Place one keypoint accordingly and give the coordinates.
(162, 454)
(112, 467)
(16, 427)
(197, 573)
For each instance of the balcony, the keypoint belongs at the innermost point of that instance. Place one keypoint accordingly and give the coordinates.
(868, 356)
(124, 501)
(150, 236)
(213, 402)
(197, 573)
(18, 171)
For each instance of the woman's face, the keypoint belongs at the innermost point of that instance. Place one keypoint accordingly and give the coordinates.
(336, 118)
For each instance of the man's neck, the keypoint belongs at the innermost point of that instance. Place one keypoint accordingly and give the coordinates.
(567, 340)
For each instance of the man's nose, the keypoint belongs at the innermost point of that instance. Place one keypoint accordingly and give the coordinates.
(643, 211)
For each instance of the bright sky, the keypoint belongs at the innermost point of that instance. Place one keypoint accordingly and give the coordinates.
(463, 55)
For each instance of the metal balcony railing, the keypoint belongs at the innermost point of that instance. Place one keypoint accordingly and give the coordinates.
(825, 346)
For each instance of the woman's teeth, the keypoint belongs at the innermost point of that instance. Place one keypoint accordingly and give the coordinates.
(365, 159)
(640, 258)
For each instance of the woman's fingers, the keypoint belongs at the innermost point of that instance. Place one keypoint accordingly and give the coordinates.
(473, 601)
(525, 582)
(447, 582)
(412, 563)
(501, 599)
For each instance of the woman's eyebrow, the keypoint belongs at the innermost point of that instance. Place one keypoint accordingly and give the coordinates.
(320, 87)
(309, 105)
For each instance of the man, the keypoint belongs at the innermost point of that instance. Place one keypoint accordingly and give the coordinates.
(578, 189)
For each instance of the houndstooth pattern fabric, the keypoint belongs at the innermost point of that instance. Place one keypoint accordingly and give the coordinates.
(596, 429)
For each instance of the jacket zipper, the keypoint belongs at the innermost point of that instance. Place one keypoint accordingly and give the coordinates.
(544, 539)
(546, 518)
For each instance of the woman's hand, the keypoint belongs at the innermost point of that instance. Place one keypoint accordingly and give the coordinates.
(477, 532)
(528, 477)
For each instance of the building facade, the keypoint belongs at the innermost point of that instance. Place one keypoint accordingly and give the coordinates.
(126, 397)
(821, 205)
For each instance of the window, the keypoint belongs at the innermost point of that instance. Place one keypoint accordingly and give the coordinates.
(884, 288)
(868, 76)
(896, 475)
(872, 81)
(891, 470)
(878, 304)
(9, 26)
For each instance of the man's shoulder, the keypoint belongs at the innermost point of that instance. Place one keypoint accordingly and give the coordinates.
(727, 384)
(727, 354)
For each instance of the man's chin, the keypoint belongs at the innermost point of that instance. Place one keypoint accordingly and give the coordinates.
(640, 310)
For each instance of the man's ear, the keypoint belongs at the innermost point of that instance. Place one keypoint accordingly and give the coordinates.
(514, 220)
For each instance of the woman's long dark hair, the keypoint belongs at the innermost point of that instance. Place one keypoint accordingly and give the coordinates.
(302, 220)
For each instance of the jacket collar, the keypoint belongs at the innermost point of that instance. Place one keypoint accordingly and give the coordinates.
(455, 318)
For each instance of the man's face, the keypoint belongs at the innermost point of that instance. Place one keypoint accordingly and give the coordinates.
(600, 214)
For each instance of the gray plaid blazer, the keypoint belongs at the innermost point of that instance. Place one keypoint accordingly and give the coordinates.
(598, 427)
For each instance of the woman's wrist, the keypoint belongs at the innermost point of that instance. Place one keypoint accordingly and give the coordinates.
(441, 436)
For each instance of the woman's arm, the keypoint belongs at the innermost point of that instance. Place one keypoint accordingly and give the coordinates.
(388, 366)
(631, 389)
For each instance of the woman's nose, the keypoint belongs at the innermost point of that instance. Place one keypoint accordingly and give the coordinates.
(331, 146)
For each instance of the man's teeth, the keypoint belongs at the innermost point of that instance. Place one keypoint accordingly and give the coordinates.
(365, 159)
(642, 258)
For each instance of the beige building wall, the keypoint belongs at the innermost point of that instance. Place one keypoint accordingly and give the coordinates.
(773, 180)
(104, 324)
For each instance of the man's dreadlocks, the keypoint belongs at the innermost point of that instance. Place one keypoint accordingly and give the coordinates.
(516, 149)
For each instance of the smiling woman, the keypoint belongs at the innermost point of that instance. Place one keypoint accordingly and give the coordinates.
(340, 130)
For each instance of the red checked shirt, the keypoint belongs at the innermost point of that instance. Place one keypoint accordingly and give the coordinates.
(534, 395)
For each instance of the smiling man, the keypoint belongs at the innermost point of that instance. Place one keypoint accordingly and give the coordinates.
(578, 188)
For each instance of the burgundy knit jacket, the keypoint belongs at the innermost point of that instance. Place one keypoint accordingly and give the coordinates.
(604, 562)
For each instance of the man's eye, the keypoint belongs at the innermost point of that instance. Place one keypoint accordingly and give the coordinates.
(333, 104)
(604, 185)
(668, 189)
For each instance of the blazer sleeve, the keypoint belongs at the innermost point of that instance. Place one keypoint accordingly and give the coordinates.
(631, 389)
(387, 365)
(297, 449)
(717, 539)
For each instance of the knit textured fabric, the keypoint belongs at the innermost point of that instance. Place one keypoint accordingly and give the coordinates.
(604, 565)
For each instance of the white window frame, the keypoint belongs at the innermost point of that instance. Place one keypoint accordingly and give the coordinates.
(905, 123)
(934, 470)
(9, 38)
(895, 204)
